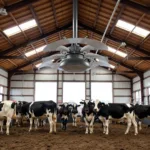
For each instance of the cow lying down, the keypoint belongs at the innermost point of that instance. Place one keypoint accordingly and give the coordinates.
(107, 112)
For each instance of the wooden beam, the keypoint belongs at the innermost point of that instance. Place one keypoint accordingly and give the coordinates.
(108, 36)
(14, 48)
(137, 6)
(33, 61)
(18, 5)
(12, 57)
(138, 58)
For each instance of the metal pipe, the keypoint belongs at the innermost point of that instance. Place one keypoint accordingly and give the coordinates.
(75, 19)
(110, 20)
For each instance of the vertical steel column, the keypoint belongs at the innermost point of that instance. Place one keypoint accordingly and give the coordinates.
(142, 87)
(75, 18)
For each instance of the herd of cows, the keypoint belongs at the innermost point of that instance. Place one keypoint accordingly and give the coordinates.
(90, 111)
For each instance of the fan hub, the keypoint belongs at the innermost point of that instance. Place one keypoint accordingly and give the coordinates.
(74, 63)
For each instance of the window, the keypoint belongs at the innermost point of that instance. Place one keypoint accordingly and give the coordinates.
(1, 93)
(138, 97)
(24, 26)
(73, 92)
(112, 50)
(132, 28)
(33, 52)
(45, 91)
(102, 91)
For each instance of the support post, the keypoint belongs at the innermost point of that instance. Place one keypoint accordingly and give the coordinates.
(9, 84)
(142, 88)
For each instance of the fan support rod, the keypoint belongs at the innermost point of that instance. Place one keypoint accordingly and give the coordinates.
(75, 19)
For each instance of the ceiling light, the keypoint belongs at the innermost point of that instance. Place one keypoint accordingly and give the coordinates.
(12, 31)
(38, 65)
(112, 66)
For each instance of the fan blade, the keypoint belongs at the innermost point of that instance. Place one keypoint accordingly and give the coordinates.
(94, 43)
(51, 58)
(87, 48)
(99, 57)
(62, 48)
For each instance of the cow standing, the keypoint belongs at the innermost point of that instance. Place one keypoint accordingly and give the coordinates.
(110, 111)
(39, 109)
(64, 113)
(141, 112)
(74, 113)
(8, 110)
(88, 115)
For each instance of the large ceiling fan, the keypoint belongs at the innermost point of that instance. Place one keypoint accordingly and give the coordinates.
(72, 57)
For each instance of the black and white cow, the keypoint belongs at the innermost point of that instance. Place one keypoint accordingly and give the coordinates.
(64, 113)
(38, 109)
(107, 112)
(141, 112)
(88, 115)
(8, 110)
(74, 113)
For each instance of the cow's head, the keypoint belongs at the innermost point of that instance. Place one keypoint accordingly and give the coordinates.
(65, 108)
(74, 108)
(88, 105)
(98, 105)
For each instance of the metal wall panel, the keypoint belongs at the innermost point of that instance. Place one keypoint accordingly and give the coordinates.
(122, 85)
(46, 77)
(22, 92)
(23, 77)
(120, 78)
(147, 73)
(22, 98)
(74, 77)
(5, 91)
(3, 72)
(101, 77)
(136, 79)
(22, 84)
(147, 82)
(122, 92)
(3, 81)
(136, 86)
(126, 100)
(46, 70)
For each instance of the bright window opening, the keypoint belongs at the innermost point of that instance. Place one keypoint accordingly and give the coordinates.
(24, 26)
(102, 91)
(38, 65)
(125, 25)
(33, 52)
(1, 92)
(73, 92)
(12, 31)
(138, 97)
(113, 50)
(28, 25)
(141, 32)
(45, 91)
(129, 27)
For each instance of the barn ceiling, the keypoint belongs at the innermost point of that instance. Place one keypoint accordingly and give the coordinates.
(54, 22)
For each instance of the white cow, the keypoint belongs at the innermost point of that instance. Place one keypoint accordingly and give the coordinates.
(8, 110)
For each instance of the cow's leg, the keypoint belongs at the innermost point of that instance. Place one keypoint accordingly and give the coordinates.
(86, 125)
(31, 122)
(140, 125)
(91, 125)
(107, 126)
(128, 125)
(1, 124)
(75, 121)
(36, 123)
(103, 122)
(135, 125)
(50, 123)
(8, 125)
(54, 121)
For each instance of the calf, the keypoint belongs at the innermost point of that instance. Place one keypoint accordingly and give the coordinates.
(64, 113)
(35, 110)
(109, 111)
(74, 113)
(141, 112)
(88, 115)
(8, 110)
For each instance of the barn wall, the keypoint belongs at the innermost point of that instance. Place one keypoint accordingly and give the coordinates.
(23, 85)
(3, 83)
(137, 86)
